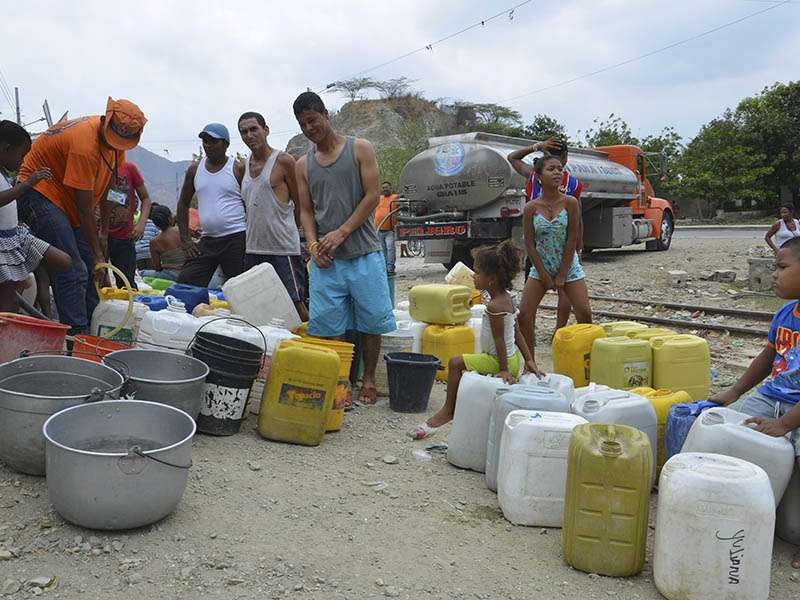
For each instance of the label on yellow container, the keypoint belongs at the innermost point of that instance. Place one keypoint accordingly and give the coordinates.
(636, 374)
(301, 397)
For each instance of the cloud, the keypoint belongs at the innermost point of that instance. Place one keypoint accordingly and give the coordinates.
(188, 63)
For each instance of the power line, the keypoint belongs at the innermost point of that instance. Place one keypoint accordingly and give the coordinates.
(508, 11)
(649, 54)
(4, 87)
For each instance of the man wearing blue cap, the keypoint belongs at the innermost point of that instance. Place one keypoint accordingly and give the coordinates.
(216, 180)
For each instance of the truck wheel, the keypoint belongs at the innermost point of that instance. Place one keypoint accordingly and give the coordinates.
(663, 242)
(461, 253)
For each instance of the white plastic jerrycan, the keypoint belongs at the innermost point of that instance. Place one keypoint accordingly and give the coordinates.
(625, 408)
(172, 328)
(722, 431)
(556, 381)
(516, 397)
(466, 444)
(532, 477)
(259, 296)
(714, 529)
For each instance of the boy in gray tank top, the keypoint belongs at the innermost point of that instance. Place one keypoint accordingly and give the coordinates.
(337, 185)
(269, 191)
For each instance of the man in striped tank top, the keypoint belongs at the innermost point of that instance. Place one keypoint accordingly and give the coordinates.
(337, 187)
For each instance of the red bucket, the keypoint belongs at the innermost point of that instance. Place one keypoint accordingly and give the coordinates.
(21, 333)
(94, 348)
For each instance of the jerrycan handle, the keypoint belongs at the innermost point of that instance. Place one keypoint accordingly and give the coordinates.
(712, 417)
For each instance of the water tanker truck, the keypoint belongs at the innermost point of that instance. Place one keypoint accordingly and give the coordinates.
(462, 192)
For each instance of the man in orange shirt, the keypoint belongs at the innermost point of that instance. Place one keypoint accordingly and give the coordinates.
(386, 204)
(83, 155)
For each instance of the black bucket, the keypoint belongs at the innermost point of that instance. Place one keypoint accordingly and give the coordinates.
(233, 365)
(411, 378)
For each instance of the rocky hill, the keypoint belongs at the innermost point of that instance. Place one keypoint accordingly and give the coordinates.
(388, 124)
(162, 177)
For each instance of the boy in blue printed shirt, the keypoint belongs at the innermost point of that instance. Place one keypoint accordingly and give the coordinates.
(774, 406)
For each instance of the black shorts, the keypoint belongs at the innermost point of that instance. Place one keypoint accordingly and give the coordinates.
(290, 269)
(226, 252)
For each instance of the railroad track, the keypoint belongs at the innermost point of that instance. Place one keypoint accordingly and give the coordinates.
(696, 309)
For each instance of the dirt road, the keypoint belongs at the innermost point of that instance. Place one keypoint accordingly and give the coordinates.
(358, 517)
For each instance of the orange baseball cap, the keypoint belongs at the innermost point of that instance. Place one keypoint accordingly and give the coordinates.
(123, 124)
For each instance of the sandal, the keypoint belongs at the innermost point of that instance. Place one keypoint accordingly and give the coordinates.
(422, 431)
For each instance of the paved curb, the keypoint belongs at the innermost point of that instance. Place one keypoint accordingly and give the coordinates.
(678, 227)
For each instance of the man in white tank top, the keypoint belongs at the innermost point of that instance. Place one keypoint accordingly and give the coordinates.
(269, 191)
(216, 180)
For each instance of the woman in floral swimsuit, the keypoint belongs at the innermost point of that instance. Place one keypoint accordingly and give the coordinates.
(551, 231)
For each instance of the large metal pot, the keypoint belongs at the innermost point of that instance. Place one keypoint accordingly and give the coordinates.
(32, 389)
(118, 464)
(165, 377)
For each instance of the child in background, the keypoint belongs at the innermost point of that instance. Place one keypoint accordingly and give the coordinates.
(551, 224)
(775, 406)
(20, 251)
(166, 251)
(505, 348)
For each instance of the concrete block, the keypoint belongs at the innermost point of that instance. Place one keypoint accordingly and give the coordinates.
(759, 277)
(724, 276)
(678, 278)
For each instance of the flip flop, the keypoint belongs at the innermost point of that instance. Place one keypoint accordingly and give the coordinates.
(422, 431)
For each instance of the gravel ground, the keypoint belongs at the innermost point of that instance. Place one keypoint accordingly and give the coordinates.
(360, 516)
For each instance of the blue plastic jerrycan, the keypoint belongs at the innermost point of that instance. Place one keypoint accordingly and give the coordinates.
(679, 421)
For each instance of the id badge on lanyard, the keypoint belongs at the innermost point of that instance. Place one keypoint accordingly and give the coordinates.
(117, 196)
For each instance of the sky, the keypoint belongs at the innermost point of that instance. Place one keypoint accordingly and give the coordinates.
(190, 63)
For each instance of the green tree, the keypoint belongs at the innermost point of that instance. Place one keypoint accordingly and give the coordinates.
(394, 88)
(719, 165)
(352, 88)
(662, 152)
(611, 132)
(543, 127)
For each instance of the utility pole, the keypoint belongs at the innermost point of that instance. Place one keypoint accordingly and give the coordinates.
(16, 99)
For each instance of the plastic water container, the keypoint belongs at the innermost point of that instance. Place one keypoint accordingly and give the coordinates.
(417, 329)
(461, 274)
(560, 383)
(469, 435)
(533, 466)
(299, 394)
(511, 398)
(680, 419)
(663, 401)
(722, 431)
(572, 351)
(682, 362)
(642, 391)
(787, 518)
(650, 333)
(440, 304)
(401, 315)
(110, 313)
(476, 325)
(591, 389)
(447, 341)
(621, 362)
(477, 311)
(617, 328)
(607, 499)
(400, 340)
(172, 328)
(622, 408)
(714, 529)
(190, 295)
(274, 334)
(259, 295)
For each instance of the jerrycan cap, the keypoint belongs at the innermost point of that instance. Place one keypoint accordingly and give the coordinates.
(610, 448)
(591, 405)
(175, 305)
(681, 410)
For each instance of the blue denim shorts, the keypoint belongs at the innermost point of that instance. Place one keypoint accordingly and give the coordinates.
(758, 405)
(350, 294)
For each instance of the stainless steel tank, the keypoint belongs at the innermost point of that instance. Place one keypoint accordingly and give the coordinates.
(469, 171)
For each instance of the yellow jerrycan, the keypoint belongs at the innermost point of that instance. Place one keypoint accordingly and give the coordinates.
(572, 351)
(682, 363)
(440, 304)
(642, 391)
(447, 341)
(621, 362)
(662, 401)
(299, 393)
(615, 328)
(343, 398)
(650, 333)
(607, 502)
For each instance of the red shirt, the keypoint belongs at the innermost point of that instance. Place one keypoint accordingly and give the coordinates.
(128, 179)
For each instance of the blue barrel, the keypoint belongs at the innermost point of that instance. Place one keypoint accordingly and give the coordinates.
(190, 295)
(680, 419)
(154, 303)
